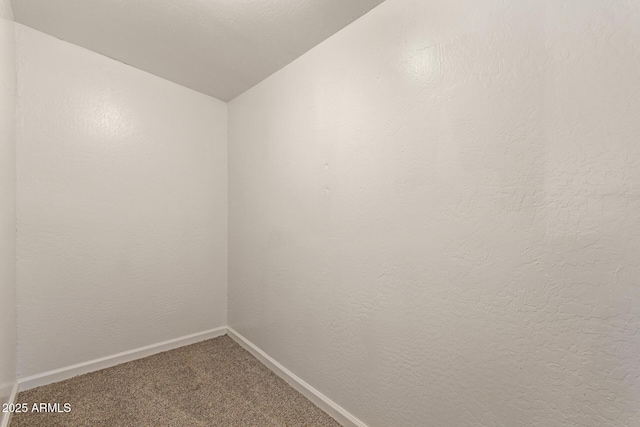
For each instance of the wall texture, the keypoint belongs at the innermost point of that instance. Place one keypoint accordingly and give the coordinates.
(7, 203)
(122, 207)
(434, 214)
(6, 12)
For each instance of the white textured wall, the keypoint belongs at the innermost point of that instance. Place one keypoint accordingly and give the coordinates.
(6, 12)
(122, 207)
(7, 203)
(435, 214)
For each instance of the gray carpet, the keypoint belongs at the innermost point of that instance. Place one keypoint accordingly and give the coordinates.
(212, 383)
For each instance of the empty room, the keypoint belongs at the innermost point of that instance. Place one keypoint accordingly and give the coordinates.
(358, 213)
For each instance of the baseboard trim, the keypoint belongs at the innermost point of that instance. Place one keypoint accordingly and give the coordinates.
(62, 374)
(5, 418)
(338, 413)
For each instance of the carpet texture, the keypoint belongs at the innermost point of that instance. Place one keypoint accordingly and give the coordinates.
(212, 383)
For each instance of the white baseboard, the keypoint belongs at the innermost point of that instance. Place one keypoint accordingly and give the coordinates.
(5, 418)
(340, 414)
(323, 402)
(62, 374)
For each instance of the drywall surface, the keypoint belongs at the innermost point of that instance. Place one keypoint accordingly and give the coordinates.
(7, 203)
(434, 214)
(6, 12)
(122, 207)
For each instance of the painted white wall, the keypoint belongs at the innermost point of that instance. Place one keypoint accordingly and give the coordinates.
(434, 214)
(6, 12)
(7, 203)
(122, 207)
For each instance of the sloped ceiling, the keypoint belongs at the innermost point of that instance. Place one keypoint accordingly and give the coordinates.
(218, 47)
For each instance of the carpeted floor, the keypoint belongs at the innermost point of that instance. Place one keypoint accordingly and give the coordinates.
(212, 383)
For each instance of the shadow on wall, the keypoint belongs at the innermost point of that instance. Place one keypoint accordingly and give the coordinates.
(7, 204)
